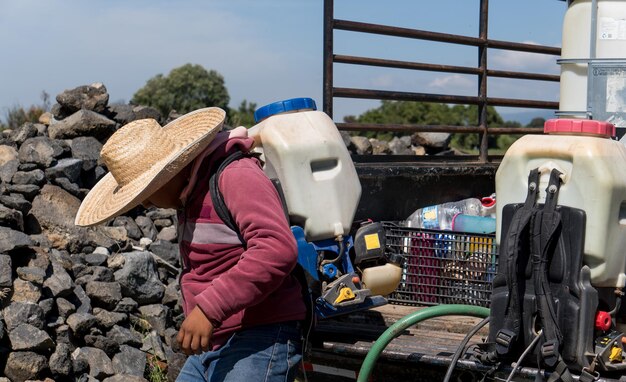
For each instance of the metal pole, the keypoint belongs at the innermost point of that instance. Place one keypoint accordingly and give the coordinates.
(482, 81)
(592, 56)
(594, 29)
(327, 101)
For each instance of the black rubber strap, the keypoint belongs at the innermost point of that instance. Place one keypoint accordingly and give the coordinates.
(512, 251)
(546, 225)
(561, 373)
(218, 198)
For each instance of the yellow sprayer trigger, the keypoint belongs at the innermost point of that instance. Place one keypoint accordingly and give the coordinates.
(345, 294)
(616, 354)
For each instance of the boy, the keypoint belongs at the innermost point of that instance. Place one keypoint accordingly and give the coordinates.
(243, 308)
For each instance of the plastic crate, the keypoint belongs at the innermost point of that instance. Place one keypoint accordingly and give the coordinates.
(442, 267)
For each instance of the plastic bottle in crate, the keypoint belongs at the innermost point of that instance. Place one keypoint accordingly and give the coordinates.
(442, 215)
(473, 224)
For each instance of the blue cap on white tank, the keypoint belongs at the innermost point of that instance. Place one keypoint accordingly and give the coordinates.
(293, 104)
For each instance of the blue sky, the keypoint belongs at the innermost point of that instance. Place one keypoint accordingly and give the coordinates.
(267, 50)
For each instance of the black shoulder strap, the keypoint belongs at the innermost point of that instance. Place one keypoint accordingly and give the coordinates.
(540, 227)
(513, 252)
(218, 198)
(546, 224)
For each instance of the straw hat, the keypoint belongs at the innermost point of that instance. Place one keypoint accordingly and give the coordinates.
(142, 156)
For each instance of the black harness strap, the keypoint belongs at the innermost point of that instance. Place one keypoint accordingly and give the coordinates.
(545, 225)
(535, 245)
(546, 228)
(218, 198)
(520, 223)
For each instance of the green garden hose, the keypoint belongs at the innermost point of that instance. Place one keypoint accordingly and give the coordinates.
(409, 320)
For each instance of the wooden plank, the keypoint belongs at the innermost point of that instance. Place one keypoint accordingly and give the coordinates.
(421, 353)
(377, 320)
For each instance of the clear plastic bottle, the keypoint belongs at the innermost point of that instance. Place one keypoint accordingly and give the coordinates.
(442, 215)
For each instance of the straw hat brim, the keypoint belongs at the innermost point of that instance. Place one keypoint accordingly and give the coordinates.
(107, 199)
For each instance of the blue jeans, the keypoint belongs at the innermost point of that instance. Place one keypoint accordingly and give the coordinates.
(268, 353)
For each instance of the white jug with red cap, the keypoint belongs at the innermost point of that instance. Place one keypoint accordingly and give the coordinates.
(594, 180)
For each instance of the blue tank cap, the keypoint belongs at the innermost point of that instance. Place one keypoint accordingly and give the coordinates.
(293, 104)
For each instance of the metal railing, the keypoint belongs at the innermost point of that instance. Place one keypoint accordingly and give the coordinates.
(482, 100)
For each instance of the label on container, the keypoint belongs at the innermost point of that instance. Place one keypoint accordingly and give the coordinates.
(607, 96)
(429, 217)
(615, 92)
(611, 29)
(372, 241)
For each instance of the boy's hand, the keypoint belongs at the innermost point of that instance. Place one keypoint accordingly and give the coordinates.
(195, 333)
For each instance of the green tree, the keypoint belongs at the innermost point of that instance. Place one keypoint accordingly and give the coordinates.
(469, 117)
(536, 122)
(504, 141)
(404, 112)
(244, 115)
(184, 89)
(421, 113)
(16, 115)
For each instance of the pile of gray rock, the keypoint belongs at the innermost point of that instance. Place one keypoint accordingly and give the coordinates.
(81, 304)
(99, 303)
(415, 144)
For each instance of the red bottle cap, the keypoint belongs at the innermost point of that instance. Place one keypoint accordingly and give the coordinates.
(488, 201)
(603, 320)
(579, 126)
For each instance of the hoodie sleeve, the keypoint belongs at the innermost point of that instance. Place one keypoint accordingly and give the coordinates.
(271, 251)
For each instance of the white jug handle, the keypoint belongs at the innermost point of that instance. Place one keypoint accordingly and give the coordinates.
(546, 169)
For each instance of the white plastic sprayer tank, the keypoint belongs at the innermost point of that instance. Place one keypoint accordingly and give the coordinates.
(577, 41)
(303, 149)
(594, 180)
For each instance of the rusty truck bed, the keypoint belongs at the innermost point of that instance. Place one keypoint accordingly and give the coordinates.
(422, 353)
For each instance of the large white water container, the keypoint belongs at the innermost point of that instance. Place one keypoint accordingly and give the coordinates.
(610, 42)
(303, 149)
(594, 180)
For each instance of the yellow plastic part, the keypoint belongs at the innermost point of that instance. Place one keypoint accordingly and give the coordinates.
(345, 294)
(372, 241)
(616, 354)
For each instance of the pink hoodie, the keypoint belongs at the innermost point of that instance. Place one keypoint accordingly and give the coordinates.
(238, 287)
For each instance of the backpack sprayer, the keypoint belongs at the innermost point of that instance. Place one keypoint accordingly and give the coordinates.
(562, 215)
(306, 158)
(561, 270)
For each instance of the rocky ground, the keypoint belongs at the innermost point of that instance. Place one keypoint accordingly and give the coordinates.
(81, 304)
(93, 304)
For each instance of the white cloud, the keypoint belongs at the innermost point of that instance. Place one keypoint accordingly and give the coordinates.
(383, 81)
(455, 83)
(523, 61)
